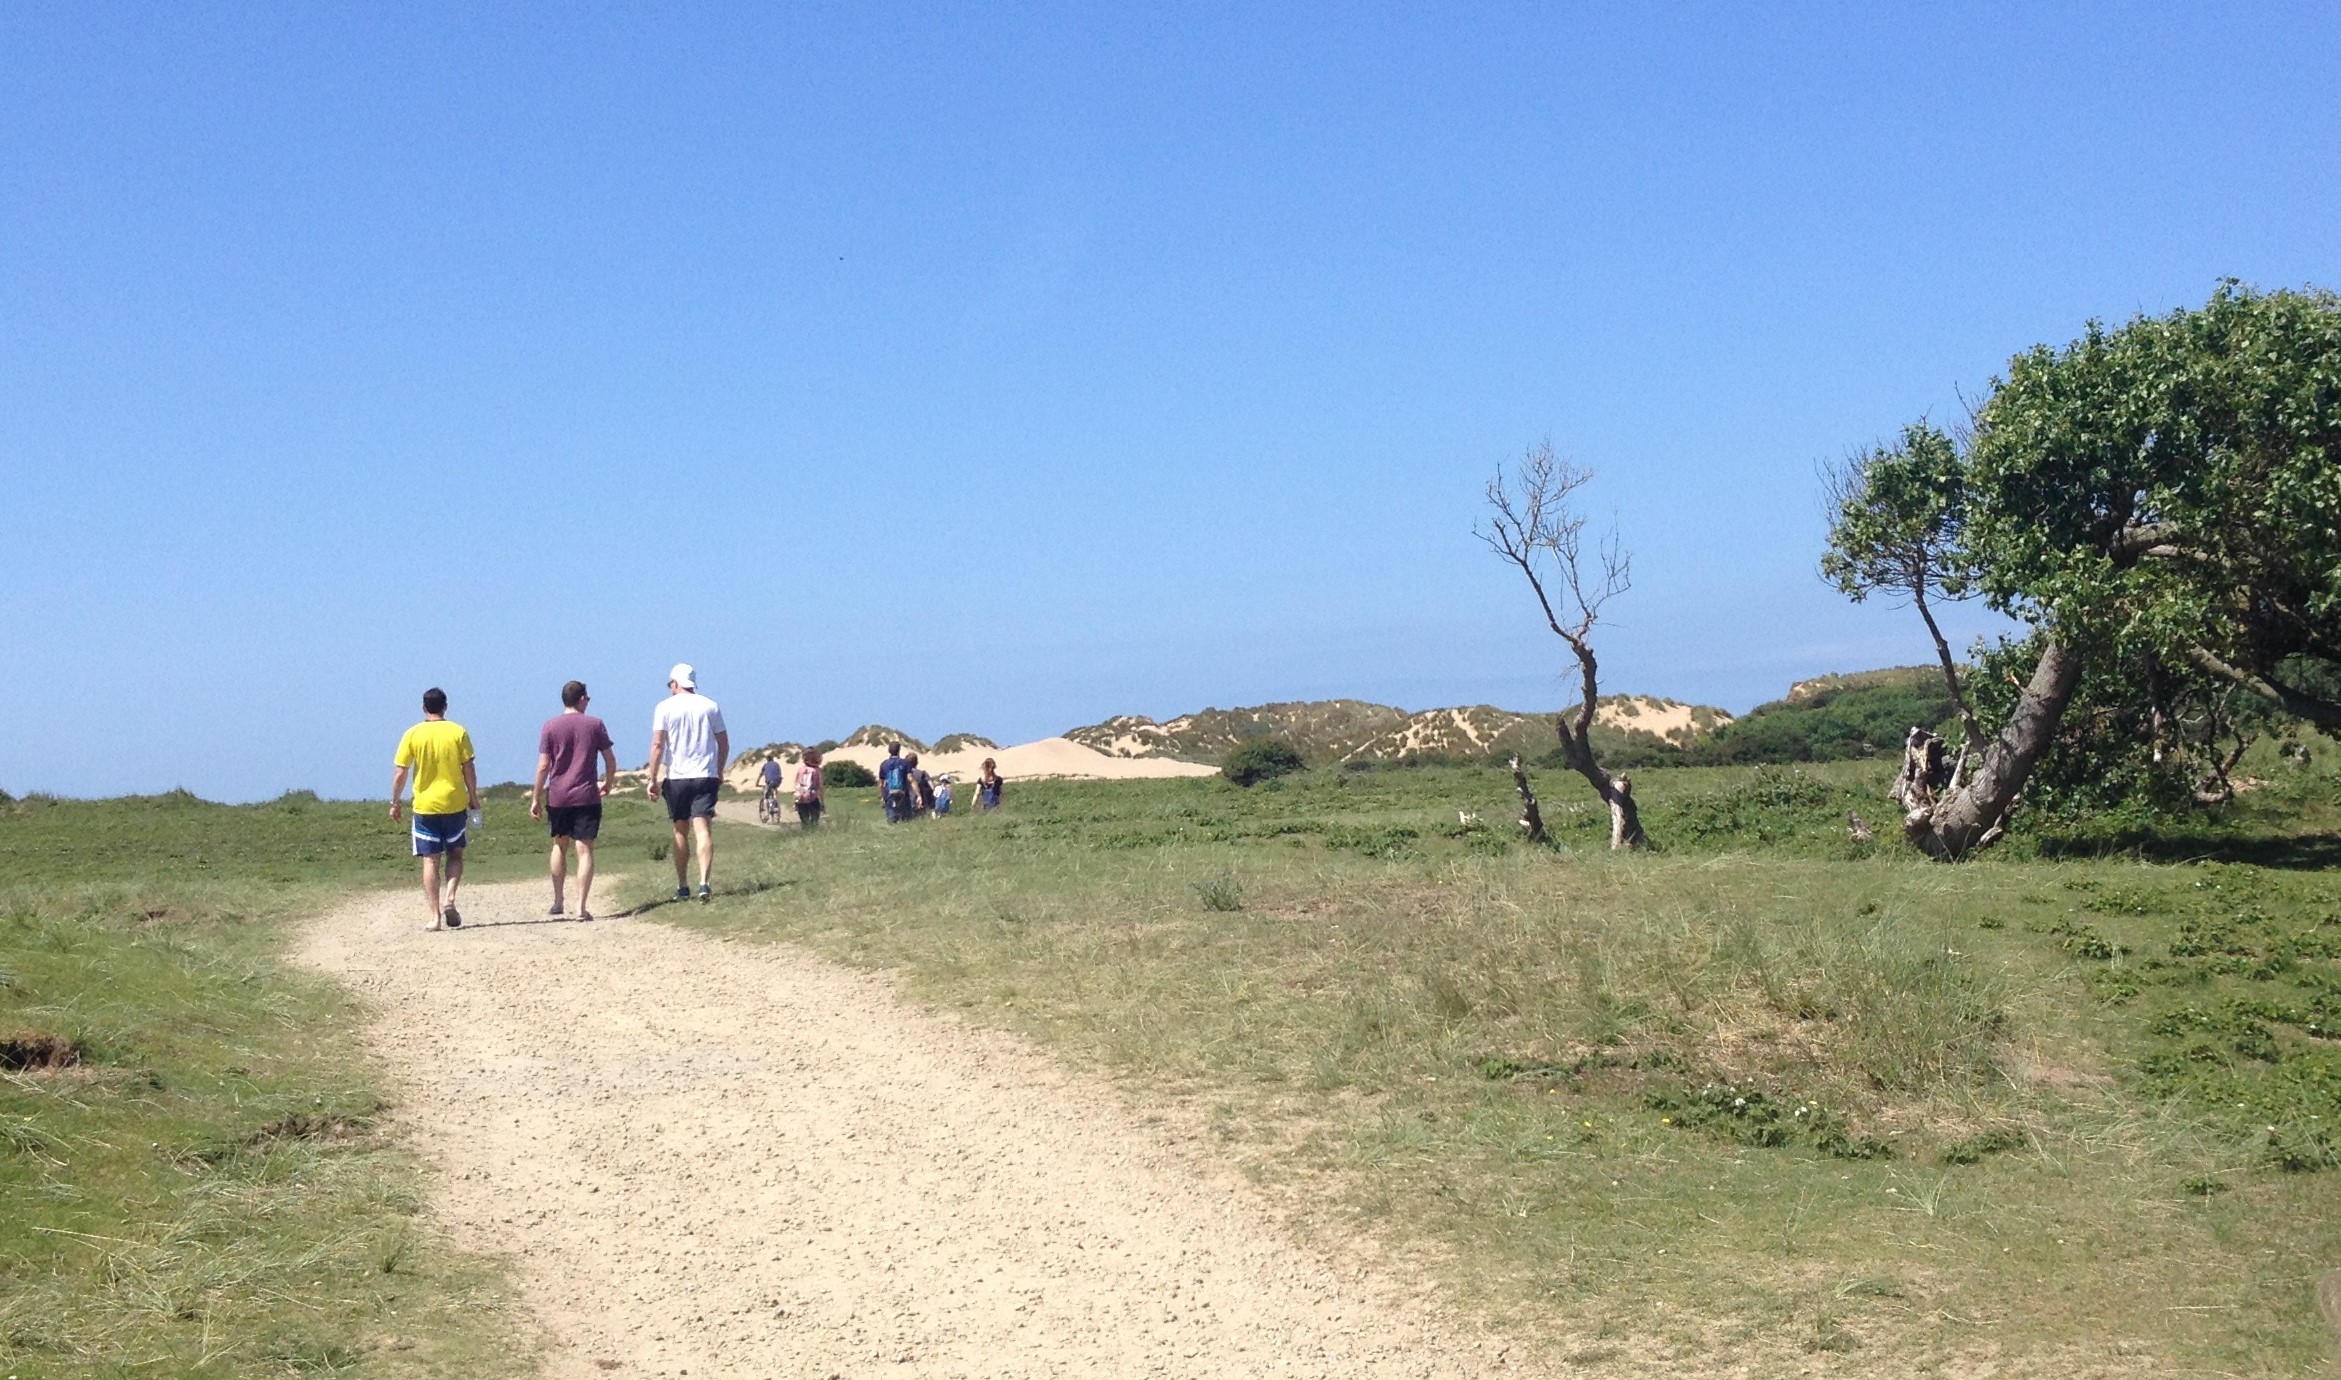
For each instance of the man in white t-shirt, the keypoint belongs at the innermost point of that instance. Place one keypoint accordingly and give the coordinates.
(687, 735)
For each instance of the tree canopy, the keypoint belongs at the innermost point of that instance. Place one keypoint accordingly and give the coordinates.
(2162, 504)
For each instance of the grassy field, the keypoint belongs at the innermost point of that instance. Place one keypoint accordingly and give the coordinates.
(206, 1189)
(1766, 1097)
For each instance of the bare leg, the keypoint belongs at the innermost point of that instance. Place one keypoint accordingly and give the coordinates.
(703, 834)
(557, 864)
(454, 875)
(682, 851)
(584, 875)
(431, 886)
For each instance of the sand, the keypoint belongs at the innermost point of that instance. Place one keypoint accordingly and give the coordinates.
(1024, 761)
(1667, 718)
(725, 1159)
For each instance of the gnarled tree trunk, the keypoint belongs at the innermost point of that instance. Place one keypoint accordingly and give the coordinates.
(1617, 792)
(1973, 813)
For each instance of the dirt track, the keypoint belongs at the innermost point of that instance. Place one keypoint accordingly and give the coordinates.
(723, 1159)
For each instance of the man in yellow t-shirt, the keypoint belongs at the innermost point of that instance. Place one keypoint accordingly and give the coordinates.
(447, 786)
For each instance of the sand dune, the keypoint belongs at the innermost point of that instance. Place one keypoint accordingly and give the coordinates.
(1022, 761)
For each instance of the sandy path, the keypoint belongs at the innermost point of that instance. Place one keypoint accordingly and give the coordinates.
(726, 1159)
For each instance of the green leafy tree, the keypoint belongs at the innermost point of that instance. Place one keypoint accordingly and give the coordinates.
(2162, 502)
(1900, 515)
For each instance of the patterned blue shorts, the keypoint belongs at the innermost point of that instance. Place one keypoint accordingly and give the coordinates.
(439, 833)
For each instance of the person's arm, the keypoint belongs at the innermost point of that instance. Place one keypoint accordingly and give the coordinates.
(658, 750)
(397, 789)
(471, 783)
(536, 792)
(609, 768)
(723, 751)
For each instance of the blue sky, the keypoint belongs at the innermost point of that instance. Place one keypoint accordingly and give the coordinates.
(1000, 370)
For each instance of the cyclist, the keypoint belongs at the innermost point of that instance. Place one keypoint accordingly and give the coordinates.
(769, 810)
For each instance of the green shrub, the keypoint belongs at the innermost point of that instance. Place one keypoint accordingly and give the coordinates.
(844, 773)
(1261, 760)
(1220, 893)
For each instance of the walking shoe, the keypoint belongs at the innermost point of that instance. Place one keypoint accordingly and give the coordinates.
(682, 893)
(704, 893)
(583, 916)
(556, 910)
(453, 917)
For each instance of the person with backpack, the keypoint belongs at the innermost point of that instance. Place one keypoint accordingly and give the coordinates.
(942, 795)
(894, 785)
(988, 787)
(811, 789)
(922, 790)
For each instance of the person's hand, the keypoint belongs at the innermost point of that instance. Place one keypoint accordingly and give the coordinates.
(536, 808)
(605, 790)
(650, 789)
(394, 812)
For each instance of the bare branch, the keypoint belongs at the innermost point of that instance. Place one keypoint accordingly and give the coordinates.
(2323, 713)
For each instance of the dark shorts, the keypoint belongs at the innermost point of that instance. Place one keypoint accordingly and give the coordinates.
(580, 822)
(693, 797)
(808, 812)
(440, 833)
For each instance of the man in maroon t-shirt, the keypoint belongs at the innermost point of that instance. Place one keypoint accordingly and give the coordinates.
(566, 793)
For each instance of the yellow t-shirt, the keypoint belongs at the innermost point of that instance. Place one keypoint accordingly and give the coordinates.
(437, 750)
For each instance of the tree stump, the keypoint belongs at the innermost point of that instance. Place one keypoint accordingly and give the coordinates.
(1531, 818)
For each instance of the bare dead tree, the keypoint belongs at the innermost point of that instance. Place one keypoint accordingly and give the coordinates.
(1534, 524)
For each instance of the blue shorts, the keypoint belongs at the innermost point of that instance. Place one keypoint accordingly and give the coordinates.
(690, 797)
(440, 833)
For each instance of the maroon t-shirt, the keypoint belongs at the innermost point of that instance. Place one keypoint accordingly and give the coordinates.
(575, 743)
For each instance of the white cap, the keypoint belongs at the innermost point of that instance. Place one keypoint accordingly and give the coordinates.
(684, 676)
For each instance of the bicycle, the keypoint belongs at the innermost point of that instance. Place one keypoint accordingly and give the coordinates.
(768, 806)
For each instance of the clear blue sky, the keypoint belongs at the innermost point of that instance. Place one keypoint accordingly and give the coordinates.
(1000, 369)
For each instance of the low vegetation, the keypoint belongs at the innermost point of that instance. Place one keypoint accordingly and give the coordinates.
(1768, 1097)
(1765, 1095)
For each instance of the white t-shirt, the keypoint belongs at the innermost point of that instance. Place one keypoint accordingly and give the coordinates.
(690, 722)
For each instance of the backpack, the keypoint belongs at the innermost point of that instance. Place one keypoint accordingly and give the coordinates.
(897, 779)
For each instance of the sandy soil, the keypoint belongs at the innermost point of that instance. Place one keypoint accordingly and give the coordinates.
(723, 1159)
(1022, 761)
